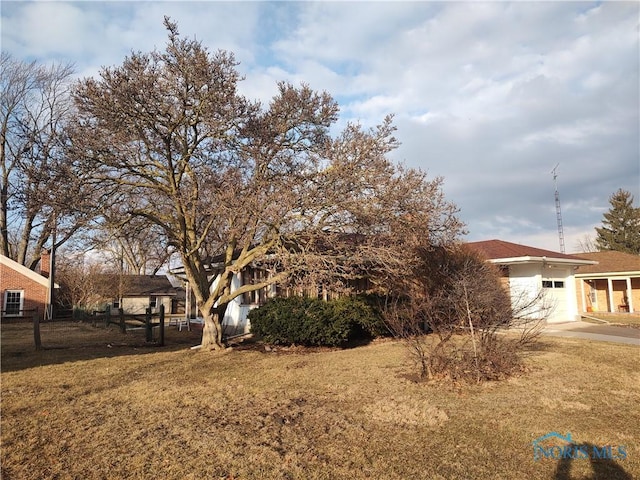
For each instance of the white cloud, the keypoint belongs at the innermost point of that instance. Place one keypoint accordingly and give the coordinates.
(490, 95)
(53, 28)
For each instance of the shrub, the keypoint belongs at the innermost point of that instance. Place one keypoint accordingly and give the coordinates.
(310, 321)
(458, 296)
(364, 311)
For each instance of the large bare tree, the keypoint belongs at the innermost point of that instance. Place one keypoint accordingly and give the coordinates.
(227, 178)
(41, 189)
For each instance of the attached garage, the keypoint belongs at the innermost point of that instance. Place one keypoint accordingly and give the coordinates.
(531, 271)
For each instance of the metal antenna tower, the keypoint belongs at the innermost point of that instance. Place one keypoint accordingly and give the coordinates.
(558, 211)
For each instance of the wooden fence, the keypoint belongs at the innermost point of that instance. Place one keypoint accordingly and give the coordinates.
(63, 327)
(125, 322)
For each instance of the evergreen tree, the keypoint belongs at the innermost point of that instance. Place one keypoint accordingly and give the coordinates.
(620, 229)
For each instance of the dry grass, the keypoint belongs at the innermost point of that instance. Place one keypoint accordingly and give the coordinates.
(294, 414)
(624, 319)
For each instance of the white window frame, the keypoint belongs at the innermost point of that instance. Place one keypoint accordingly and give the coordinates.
(553, 283)
(6, 298)
(154, 301)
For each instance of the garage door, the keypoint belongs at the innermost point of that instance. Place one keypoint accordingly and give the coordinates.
(555, 292)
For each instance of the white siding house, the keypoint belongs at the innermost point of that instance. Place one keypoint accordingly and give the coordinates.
(529, 270)
(235, 321)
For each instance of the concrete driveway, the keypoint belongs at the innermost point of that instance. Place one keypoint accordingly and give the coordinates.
(591, 331)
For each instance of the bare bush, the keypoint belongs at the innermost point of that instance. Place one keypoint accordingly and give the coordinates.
(451, 313)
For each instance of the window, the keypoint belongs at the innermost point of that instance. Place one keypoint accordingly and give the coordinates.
(251, 276)
(552, 284)
(153, 302)
(116, 303)
(13, 300)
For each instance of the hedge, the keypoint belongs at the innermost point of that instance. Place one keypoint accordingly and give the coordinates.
(314, 322)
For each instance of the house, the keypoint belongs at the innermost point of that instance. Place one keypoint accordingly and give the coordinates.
(24, 293)
(235, 321)
(526, 270)
(612, 285)
(135, 293)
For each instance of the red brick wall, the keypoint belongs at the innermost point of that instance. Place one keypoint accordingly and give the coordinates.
(602, 294)
(45, 263)
(35, 295)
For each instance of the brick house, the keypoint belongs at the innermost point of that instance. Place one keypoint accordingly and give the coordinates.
(23, 292)
(613, 285)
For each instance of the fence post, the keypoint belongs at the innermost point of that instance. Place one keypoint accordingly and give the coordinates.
(123, 326)
(162, 325)
(36, 330)
(107, 315)
(147, 322)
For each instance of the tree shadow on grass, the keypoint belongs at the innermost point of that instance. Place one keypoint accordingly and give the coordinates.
(602, 468)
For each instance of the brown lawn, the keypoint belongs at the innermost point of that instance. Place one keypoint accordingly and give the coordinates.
(622, 319)
(174, 413)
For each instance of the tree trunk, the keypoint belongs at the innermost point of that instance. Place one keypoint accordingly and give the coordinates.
(473, 336)
(212, 331)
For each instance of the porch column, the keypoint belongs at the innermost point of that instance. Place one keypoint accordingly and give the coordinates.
(584, 300)
(629, 296)
(612, 308)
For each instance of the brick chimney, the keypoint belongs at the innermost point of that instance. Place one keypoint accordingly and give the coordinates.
(45, 263)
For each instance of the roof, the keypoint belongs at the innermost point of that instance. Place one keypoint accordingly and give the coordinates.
(610, 262)
(508, 252)
(143, 285)
(26, 272)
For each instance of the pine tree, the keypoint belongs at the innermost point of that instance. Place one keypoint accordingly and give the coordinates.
(620, 229)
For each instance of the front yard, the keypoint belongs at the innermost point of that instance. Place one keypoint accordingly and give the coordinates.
(322, 414)
(623, 319)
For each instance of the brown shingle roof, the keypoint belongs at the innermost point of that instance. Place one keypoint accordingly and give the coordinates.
(610, 262)
(494, 249)
(139, 285)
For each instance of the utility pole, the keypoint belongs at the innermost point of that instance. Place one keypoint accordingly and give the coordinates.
(558, 211)
(48, 314)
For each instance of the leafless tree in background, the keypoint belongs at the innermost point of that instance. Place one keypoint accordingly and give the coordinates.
(586, 244)
(41, 188)
(87, 283)
(133, 247)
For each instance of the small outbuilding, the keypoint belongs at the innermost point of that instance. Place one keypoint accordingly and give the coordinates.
(135, 293)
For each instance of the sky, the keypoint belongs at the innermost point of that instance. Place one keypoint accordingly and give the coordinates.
(495, 97)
